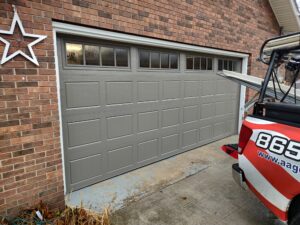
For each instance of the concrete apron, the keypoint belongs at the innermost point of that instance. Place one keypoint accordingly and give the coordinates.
(119, 191)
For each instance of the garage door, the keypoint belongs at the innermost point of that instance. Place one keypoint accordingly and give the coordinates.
(124, 107)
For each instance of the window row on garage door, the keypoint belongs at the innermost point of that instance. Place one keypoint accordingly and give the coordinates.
(126, 106)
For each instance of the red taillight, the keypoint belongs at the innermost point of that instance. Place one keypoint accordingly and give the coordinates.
(245, 135)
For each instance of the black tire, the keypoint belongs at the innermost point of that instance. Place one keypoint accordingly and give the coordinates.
(295, 220)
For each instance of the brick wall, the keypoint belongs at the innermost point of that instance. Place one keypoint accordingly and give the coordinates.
(30, 155)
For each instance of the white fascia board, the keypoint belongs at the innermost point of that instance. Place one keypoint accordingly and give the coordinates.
(296, 12)
(72, 29)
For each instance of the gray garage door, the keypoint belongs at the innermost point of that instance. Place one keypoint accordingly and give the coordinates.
(124, 107)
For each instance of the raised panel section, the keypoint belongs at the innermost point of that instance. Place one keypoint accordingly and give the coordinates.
(220, 129)
(84, 132)
(86, 168)
(147, 150)
(118, 92)
(231, 125)
(148, 121)
(119, 126)
(190, 113)
(170, 143)
(222, 87)
(206, 133)
(191, 89)
(209, 88)
(120, 158)
(190, 137)
(171, 89)
(207, 110)
(87, 150)
(222, 108)
(170, 117)
(82, 94)
(147, 91)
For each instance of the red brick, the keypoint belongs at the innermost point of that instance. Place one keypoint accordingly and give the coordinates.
(25, 176)
(12, 173)
(14, 185)
(7, 84)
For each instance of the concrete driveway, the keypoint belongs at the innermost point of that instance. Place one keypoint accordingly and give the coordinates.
(209, 197)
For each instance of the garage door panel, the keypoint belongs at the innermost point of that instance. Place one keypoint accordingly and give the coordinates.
(148, 121)
(190, 137)
(148, 91)
(87, 150)
(86, 168)
(221, 87)
(208, 99)
(149, 135)
(171, 129)
(119, 92)
(207, 121)
(82, 94)
(232, 123)
(119, 110)
(191, 89)
(170, 103)
(219, 129)
(82, 114)
(84, 132)
(206, 133)
(207, 110)
(208, 88)
(190, 113)
(191, 101)
(222, 108)
(222, 97)
(189, 126)
(170, 117)
(148, 150)
(171, 89)
(119, 126)
(119, 159)
(118, 119)
(170, 143)
(116, 143)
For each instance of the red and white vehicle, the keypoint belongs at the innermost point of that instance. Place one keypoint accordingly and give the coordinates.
(268, 151)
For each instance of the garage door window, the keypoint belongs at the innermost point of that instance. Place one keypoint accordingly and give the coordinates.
(122, 57)
(199, 63)
(74, 54)
(95, 55)
(107, 56)
(227, 64)
(92, 55)
(158, 60)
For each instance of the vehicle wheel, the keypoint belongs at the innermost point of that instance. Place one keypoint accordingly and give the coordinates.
(295, 220)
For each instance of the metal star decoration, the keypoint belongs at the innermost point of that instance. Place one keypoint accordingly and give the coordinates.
(31, 57)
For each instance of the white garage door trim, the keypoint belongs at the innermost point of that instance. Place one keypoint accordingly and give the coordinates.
(64, 28)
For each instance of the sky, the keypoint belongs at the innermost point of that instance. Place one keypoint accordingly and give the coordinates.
(298, 3)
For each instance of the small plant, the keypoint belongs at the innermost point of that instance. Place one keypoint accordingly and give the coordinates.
(41, 215)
